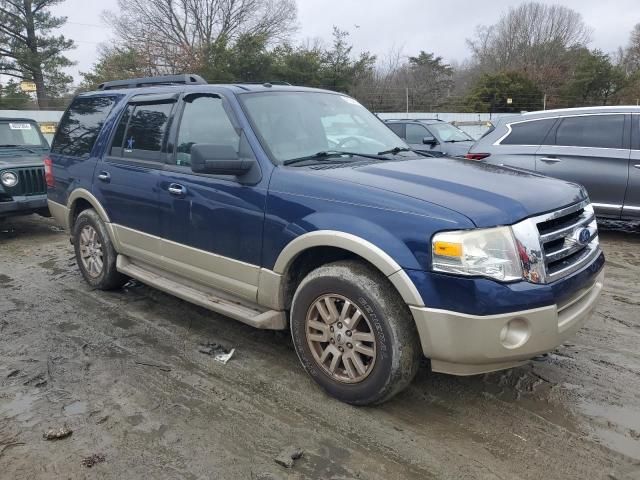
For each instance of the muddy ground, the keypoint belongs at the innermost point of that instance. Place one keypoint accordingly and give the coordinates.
(123, 371)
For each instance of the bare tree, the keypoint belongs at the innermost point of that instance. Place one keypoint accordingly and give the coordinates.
(532, 38)
(176, 35)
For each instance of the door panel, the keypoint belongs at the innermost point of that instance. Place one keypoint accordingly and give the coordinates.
(589, 150)
(632, 199)
(212, 223)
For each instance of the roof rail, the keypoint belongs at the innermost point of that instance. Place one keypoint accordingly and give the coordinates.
(188, 79)
(274, 82)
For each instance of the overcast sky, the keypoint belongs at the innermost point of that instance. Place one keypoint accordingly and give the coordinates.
(439, 26)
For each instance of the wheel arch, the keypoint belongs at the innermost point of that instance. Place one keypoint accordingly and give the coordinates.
(79, 200)
(326, 246)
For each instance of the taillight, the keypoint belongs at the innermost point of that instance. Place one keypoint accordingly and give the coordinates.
(48, 172)
(476, 156)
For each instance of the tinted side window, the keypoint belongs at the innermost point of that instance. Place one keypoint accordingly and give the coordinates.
(204, 121)
(397, 128)
(416, 133)
(141, 131)
(600, 131)
(80, 126)
(529, 133)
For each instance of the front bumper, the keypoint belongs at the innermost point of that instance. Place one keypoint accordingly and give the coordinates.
(464, 344)
(24, 205)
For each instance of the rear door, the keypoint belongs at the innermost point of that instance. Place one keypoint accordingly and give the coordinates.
(128, 178)
(631, 207)
(592, 150)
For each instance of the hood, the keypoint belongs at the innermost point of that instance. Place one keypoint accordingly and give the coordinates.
(10, 157)
(488, 195)
(457, 149)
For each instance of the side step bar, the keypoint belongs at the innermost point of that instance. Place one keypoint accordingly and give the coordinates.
(251, 314)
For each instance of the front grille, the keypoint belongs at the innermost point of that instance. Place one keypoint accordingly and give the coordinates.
(31, 181)
(568, 240)
(557, 244)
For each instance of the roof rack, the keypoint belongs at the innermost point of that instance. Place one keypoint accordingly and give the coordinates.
(188, 79)
(274, 82)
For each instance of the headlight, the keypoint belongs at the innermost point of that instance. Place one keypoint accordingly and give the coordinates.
(9, 179)
(485, 252)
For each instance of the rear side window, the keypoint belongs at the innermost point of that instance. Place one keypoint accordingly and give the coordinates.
(529, 133)
(141, 131)
(597, 131)
(81, 125)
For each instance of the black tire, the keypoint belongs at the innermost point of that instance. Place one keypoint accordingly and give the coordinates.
(398, 349)
(108, 278)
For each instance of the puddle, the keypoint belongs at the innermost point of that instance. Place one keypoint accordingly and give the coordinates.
(19, 408)
(622, 425)
(75, 408)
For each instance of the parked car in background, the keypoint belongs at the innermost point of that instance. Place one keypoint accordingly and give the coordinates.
(432, 136)
(596, 147)
(295, 208)
(23, 190)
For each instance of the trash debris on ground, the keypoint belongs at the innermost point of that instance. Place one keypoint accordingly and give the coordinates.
(57, 433)
(288, 456)
(93, 460)
(217, 351)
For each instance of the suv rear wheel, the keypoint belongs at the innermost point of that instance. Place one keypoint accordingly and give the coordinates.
(353, 333)
(95, 254)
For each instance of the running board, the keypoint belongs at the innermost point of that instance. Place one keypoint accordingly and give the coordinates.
(251, 314)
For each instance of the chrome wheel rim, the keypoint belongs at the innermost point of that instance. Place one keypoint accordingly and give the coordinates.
(341, 338)
(91, 253)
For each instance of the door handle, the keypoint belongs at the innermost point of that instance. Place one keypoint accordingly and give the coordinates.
(104, 177)
(177, 190)
(637, 165)
(550, 160)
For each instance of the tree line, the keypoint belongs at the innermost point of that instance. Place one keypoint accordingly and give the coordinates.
(535, 56)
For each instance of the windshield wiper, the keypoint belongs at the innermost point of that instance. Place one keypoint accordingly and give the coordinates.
(331, 154)
(456, 141)
(24, 147)
(395, 151)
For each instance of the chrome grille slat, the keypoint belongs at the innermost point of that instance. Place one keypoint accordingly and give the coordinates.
(586, 219)
(563, 252)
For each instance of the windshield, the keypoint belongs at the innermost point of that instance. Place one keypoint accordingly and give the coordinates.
(20, 134)
(299, 124)
(449, 133)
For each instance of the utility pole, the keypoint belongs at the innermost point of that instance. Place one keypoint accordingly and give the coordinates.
(407, 98)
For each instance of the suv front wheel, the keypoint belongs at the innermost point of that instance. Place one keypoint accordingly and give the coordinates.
(353, 333)
(95, 254)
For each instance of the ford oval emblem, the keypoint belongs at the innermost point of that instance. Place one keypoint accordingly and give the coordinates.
(584, 236)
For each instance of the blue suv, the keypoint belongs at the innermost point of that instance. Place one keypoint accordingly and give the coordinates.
(295, 208)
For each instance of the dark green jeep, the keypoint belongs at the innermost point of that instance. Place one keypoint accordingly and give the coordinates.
(23, 189)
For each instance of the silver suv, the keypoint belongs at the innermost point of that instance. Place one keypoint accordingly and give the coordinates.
(598, 147)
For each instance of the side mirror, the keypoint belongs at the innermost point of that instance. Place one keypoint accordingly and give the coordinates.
(429, 140)
(214, 159)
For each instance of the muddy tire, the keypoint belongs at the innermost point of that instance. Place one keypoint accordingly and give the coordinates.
(353, 333)
(95, 254)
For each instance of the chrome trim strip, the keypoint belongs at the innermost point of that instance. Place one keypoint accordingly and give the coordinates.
(607, 205)
(635, 209)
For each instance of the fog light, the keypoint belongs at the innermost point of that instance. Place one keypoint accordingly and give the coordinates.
(515, 333)
(9, 179)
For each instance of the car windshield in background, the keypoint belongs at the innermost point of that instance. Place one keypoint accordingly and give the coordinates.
(300, 124)
(449, 133)
(20, 134)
